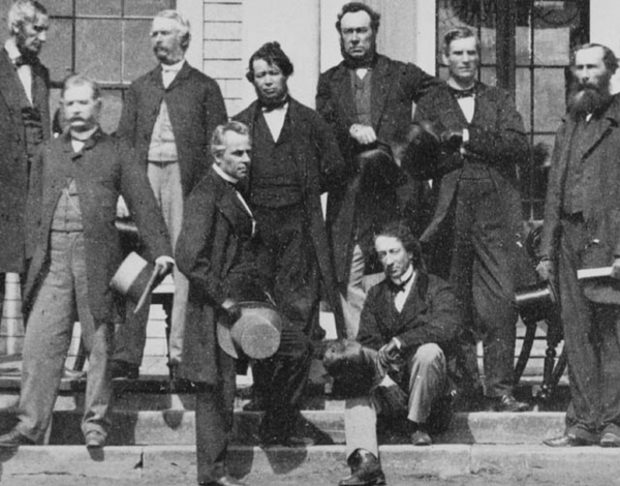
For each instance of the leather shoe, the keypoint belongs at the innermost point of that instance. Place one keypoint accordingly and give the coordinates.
(14, 438)
(124, 369)
(568, 440)
(365, 470)
(94, 439)
(610, 439)
(421, 438)
(507, 403)
(224, 481)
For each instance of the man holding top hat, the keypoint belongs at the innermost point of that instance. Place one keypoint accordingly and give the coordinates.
(215, 250)
(74, 185)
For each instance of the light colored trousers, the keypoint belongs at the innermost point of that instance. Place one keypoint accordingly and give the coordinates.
(427, 382)
(63, 297)
(130, 339)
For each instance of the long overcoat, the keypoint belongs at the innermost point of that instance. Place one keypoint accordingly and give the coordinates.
(215, 246)
(14, 160)
(195, 106)
(601, 198)
(395, 86)
(102, 171)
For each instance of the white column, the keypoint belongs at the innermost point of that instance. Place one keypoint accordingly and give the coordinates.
(193, 10)
(295, 25)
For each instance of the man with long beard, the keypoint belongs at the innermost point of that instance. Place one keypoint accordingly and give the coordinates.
(582, 229)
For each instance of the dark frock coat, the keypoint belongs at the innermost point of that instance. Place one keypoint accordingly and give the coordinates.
(395, 86)
(195, 106)
(214, 248)
(319, 165)
(14, 160)
(497, 141)
(431, 314)
(103, 170)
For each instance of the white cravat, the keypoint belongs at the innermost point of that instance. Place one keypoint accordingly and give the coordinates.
(170, 71)
(24, 72)
(401, 296)
(275, 120)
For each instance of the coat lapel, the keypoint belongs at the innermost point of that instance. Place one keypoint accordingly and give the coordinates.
(380, 86)
(10, 86)
(342, 81)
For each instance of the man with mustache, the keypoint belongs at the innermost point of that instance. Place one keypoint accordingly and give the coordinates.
(473, 235)
(295, 159)
(24, 124)
(168, 116)
(366, 99)
(75, 182)
(582, 229)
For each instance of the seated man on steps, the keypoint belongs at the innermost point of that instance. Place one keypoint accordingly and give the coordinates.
(408, 327)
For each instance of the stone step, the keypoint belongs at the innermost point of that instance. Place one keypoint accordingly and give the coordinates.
(404, 465)
(326, 427)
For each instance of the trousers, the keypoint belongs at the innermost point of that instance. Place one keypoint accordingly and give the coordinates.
(426, 380)
(130, 337)
(63, 297)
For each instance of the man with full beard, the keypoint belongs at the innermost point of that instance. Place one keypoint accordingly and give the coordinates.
(582, 229)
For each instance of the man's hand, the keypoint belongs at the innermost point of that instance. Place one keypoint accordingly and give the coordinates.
(545, 269)
(388, 354)
(164, 265)
(452, 139)
(363, 134)
(232, 309)
(615, 269)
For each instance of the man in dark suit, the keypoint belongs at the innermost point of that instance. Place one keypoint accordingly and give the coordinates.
(295, 158)
(408, 328)
(24, 124)
(168, 116)
(366, 99)
(474, 231)
(75, 183)
(581, 230)
(216, 251)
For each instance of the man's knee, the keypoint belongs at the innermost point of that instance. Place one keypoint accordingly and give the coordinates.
(428, 354)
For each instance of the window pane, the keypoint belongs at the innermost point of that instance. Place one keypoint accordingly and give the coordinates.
(550, 105)
(138, 57)
(488, 75)
(98, 54)
(56, 53)
(523, 95)
(552, 46)
(98, 7)
(522, 45)
(111, 110)
(59, 7)
(146, 7)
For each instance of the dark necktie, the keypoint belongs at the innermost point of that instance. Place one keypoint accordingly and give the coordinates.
(463, 93)
(395, 288)
(273, 106)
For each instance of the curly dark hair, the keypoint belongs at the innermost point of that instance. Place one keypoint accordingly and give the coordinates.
(353, 7)
(271, 53)
(400, 230)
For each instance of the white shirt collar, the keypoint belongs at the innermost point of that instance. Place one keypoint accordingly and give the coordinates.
(284, 107)
(11, 49)
(173, 68)
(405, 276)
(223, 174)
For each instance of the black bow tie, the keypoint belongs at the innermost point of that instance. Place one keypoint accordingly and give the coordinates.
(463, 93)
(273, 106)
(21, 61)
(398, 287)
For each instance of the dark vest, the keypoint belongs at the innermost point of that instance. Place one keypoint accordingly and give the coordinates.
(274, 180)
(361, 94)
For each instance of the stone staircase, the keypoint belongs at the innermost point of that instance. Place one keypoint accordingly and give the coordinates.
(152, 439)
